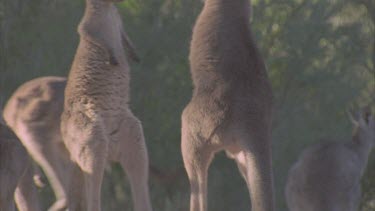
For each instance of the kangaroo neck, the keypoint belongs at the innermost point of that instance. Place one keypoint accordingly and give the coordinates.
(96, 6)
(229, 8)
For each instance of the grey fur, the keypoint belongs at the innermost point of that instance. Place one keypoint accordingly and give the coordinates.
(232, 103)
(327, 175)
(16, 174)
(97, 124)
(33, 112)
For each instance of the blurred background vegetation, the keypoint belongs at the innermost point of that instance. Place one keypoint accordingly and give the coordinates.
(320, 56)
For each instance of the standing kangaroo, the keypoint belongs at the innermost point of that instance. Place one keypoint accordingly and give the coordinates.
(97, 124)
(16, 174)
(327, 176)
(231, 107)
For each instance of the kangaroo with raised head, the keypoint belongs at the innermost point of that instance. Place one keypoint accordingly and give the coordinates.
(16, 174)
(97, 124)
(327, 175)
(232, 103)
(33, 112)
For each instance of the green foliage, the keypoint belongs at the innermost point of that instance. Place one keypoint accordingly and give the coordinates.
(320, 58)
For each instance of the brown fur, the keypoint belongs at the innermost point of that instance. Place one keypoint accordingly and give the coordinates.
(231, 107)
(33, 112)
(327, 175)
(16, 174)
(97, 124)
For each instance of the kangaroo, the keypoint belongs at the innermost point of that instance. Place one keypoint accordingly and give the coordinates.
(16, 174)
(33, 112)
(97, 124)
(327, 175)
(232, 103)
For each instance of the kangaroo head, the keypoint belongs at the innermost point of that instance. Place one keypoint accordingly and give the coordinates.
(364, 126)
